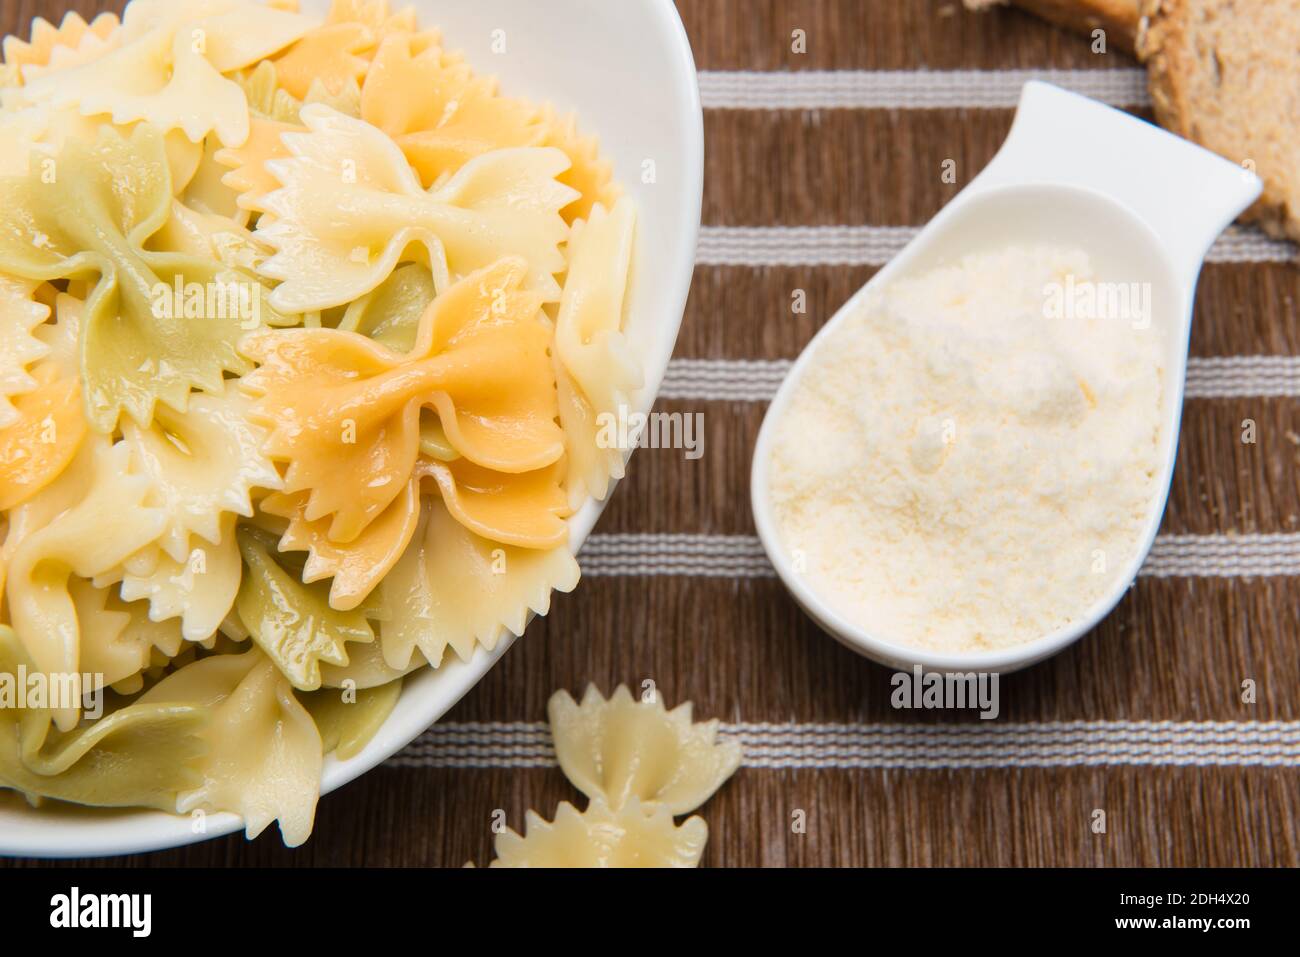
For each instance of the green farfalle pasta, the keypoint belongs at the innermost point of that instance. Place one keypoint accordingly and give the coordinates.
(291, 621)
(266, 98)
(142, 755)
(347, 718)
(391, 314)
(90, 218)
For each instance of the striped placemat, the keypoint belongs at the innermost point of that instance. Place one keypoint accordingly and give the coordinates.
(1179, 717)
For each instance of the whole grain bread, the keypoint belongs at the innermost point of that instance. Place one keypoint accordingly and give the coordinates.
(1119, 18)
(1226, 74)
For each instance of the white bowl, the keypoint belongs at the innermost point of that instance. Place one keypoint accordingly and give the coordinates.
(1145, 205)
(627, 69)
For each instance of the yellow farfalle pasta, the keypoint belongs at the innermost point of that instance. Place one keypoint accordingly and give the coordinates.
(198, 591)
(117, 639)
(350, 205)
(202, 235)
(206, 190)
(167, 68)
(598, 370)
(19, 347)
(203, 464)
(305, 329)
(640, 765)
(618, 749)
(455, 589)
(26, 135)
(601, 837)
(264, 754)
(94, 535)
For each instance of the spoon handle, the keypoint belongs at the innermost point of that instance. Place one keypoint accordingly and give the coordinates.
(1185, 193)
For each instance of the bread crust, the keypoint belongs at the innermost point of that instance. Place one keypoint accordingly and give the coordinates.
(1119, 18)
(1229, 80)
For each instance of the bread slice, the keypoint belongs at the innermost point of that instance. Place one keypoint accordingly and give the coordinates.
(1226, 74)
(1119, 18)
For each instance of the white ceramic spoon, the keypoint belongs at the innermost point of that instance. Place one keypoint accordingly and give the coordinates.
(1145, 205)
(626, 69)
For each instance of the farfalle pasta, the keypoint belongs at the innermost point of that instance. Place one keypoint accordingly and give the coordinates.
(304, 331)
(640, 765)
(350, 208)
(630, 836)
(619, 748)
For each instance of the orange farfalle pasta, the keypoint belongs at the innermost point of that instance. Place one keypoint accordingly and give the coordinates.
(49, 430)
(20, 315)
(439, 112)
(248, 175)
(442, 115)
(591, 174)
(526, 510)
(374, 14)
(50, 424)
(344, 412)
(377, 17)
(330, 53)
(358, 566)
(47, 39)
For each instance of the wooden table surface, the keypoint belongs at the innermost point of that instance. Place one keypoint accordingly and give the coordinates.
(878, 786)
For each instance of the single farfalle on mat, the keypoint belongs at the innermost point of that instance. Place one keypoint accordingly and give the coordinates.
(631, 836)
(621, 748)
(640, 765)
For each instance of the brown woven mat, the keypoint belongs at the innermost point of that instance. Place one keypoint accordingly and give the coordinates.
(1176, 650)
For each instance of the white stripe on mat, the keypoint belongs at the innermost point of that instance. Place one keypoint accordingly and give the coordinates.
(908, 89)
(742, 556)
(976, 745)
(757, 246)
(756, 380)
